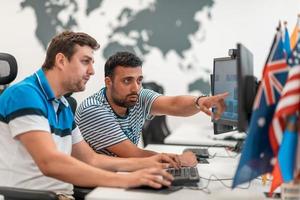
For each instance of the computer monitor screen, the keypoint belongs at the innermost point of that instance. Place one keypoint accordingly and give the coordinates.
(225, 80)
(235, 75)
(247, 86)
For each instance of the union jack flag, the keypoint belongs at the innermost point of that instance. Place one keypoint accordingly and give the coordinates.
(278, 124)
(257, 153)
(275, 66)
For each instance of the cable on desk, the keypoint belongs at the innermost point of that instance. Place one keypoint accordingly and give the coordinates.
(221, 181)
(228, 154)
(207, 190)
(203, 189)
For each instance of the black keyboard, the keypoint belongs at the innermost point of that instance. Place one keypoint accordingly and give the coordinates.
(184, 176)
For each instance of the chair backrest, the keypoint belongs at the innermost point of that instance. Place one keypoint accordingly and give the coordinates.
(8, 70)
(155, 130)
(72, 102)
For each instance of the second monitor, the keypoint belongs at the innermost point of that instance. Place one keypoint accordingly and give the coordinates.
(234, 74)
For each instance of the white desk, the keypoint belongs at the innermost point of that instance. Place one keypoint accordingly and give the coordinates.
(221, 167)
(188, 134)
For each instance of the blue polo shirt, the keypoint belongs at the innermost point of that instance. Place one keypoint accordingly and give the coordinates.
(30, 105)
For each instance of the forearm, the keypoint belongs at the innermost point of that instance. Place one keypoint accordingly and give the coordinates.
(121, 164)
(182, 106)
(135, 152)
(71, 170)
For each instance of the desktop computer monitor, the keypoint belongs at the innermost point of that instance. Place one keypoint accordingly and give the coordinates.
(234, 74)
(224, 79)
(247, 86)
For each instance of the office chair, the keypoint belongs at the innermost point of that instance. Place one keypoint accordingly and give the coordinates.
(72, 102)
(11, 193)
(8, 73)
(8, 70)
(155, 130)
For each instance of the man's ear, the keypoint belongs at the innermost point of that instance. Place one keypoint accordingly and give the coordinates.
(60, 61)
(107, 81)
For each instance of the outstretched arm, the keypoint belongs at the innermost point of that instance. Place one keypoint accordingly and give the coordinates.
(188, 105)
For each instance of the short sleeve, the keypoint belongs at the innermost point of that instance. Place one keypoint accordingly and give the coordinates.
(24, 110)
(76, 135)
(28, 123)
(147, 97)
(22, 101)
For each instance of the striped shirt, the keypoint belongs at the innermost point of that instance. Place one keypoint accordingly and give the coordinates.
(30, 105)
(101, 127)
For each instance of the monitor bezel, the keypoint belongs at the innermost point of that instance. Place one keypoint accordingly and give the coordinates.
(223, 121)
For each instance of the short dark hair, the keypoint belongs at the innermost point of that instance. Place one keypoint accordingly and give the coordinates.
(122, 58)
(65, 43)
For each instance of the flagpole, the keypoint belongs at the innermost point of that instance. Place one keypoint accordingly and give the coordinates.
(278, 28)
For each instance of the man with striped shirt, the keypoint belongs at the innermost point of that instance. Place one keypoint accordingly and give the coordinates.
(111, 120)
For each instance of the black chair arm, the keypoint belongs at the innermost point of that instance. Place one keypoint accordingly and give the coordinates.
(11, 193)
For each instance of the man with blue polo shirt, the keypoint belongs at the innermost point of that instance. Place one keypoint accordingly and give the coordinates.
(40, 145)
(111, 120)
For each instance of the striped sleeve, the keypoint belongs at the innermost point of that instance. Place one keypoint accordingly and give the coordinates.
(147, 97)
(99, 127)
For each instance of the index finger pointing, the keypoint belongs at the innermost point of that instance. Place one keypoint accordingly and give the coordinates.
(222, 95)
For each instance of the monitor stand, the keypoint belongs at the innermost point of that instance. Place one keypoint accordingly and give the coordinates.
(232, 136)
(222, 128)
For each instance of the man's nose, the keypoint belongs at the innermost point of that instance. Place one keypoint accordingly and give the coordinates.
(91, 70)
(135, 87)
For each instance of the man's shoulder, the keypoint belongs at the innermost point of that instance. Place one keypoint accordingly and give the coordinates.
(22, 95)
(96, 100)
(26, 89)
(93, 100)
(148, 93)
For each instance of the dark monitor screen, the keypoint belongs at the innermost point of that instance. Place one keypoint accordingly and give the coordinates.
(225, 80)
(247, 86)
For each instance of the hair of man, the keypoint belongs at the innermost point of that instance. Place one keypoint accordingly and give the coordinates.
(65, 43)
(121, 58)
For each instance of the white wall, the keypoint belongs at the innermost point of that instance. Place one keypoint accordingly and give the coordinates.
(251, 22)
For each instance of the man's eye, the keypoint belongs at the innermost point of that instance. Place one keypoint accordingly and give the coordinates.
(139, 81)
(85, 61)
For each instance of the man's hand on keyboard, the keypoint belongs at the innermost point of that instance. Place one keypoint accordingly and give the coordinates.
(188, 159)
(162, 160)
(153, 177)
(175, 158)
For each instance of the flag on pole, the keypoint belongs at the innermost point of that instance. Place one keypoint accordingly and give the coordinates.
(257, 152)
(289, 100)
(289, 105)
(285, 165)
(296, 33)
(286, 41)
